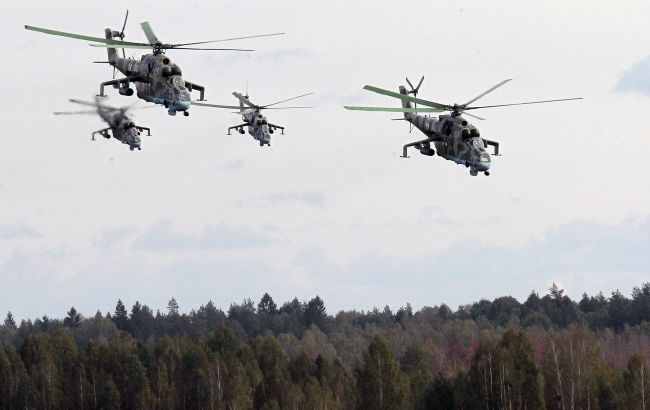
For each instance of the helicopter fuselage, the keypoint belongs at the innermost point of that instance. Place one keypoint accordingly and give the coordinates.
(121, 126)
(258, 127)
(454, 138)
(157, 79)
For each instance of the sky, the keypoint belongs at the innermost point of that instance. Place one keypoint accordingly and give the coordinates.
(330, 208)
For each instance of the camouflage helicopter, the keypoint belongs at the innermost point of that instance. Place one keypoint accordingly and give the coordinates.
(258, 125)
(157, 79)
(453, 136)
(120, 125)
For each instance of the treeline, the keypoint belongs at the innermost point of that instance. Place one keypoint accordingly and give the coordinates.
(548, 352)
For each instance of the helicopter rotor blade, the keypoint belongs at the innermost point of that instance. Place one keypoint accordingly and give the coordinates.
(80, 102)
(419, 84)
(123, 45)
(173, 47)
(229, 39)
(229, 107)
(104, 41)
(409, 83)
(148, 31)
(244, 100)
(403, 97)
(288, 99)
(75, 112)
(487, 92)
(522, 103)
(473, 116)
(285, 108)
(124, 25)
(392, 109)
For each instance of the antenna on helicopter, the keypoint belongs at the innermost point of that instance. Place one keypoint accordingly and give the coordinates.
(414, 91)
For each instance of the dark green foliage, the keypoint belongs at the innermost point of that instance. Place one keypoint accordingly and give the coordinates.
(9, 321)
(72, 320)
(549, 352)
(267, 305)
(121, 318)
(380, 382)
(315, 313)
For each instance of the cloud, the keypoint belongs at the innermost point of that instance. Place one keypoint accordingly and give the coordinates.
(112, 236)
(584, 256)
(636, 79)
(308, 197)
(18, 231)
(161, 237)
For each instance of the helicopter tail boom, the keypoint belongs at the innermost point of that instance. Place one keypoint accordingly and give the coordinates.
(112, 52)
(405, 103)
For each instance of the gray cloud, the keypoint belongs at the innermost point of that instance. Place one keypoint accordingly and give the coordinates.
(308, 197)
(636, 79)
(584, 256)
(161, 237)
(18, 231)
(112, 236)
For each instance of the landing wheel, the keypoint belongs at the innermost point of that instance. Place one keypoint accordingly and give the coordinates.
(185, 113)
(131, 148)
(487, 173)
(261, 144)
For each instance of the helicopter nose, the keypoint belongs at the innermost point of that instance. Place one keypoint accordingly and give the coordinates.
(182, 105)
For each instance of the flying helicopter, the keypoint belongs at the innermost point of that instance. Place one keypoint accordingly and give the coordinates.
(120, 125)
(157, 79)
(258, 125)
(453, 136)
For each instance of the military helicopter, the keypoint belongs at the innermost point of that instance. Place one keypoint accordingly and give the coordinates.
(156, 78)
(452, 135)
(258, 125)
(120, 125)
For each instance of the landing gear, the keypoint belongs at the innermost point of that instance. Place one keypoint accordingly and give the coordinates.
(186, 113)
(487, 173)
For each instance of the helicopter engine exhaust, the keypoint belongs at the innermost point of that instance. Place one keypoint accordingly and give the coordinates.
(126, 91)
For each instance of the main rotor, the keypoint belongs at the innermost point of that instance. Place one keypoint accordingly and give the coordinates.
(431, 106)
(153, 43)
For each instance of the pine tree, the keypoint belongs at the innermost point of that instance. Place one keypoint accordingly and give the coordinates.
(267, 305)
(172, 307)
(121, 318)
(73, 319)
(9, 321)
(315, 313)
(555, 292)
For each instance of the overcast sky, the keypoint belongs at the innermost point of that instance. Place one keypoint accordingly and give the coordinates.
(330, 208)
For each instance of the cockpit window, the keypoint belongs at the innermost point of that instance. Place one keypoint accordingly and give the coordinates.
(184, 95)
(177, 81)
(478, 144)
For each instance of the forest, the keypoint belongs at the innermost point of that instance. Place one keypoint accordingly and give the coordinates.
(549, 352)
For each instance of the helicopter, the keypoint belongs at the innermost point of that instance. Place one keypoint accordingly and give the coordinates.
(258, 125)
(120, 125)
(157, 79)
(453, 136)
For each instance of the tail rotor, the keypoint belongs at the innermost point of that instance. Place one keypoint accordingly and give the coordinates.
(120, 34)
(414, 91)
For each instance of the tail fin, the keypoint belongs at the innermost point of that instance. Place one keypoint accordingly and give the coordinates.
(112, 52)
(405, 104)
(241, 103)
